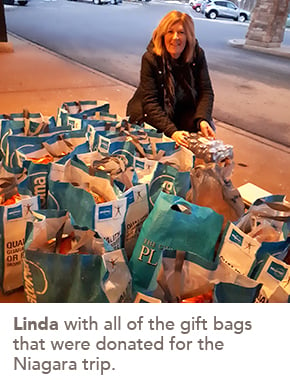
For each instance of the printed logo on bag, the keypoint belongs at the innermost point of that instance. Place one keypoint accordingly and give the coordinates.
(14, 212)
(162, 183)
(118, 210)
(130, 197)
(74, 124)
(139, 195)
(39, 184)
(105, 212)
(35, 281)
(140, 164)
(123, 152)
(277, 271)
(104, 144)
(235, 237)
(147, 253)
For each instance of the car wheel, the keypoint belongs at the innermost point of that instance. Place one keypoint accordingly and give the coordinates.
(22, 2)
(197, 9)
(242, 18)
(212, 15)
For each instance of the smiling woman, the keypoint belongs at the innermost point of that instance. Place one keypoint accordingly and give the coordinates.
(175, 40)
(175, 94)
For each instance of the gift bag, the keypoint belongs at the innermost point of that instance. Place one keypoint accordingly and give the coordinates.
(53, 147)
(185, 274)
(117, 282)
(97, 183)
(144, 169)
(65, 263)
(233, 286)
(36, 181)
(20, 116)
(24, 128)
(278, 249)
(180, 158)
(52, 277)
(267, 218)
(225, 292)
(106, 146)
(25, 123)
(18, 148)
(212, 187)
(116, 166)
(8, 184)
(106, 218)
(175, 224)
(238, 250)
(70, 112)
(136, 214)
(168, 179)
(13, 220)
(274, 274)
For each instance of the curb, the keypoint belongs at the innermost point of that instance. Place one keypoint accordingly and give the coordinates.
(283, 51)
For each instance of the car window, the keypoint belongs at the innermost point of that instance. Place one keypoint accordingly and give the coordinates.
(220, 3)
(231, 5)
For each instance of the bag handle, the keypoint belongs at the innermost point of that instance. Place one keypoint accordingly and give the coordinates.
(182, 207)
(40, 129)
(77, 103)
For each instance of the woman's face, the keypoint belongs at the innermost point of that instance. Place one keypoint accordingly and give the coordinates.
(175, 40)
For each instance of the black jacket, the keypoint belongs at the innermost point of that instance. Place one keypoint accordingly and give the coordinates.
(147, 104)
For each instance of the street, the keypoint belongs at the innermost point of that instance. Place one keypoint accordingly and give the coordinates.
(252, 90)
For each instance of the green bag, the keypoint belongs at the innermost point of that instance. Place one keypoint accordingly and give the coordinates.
(173, 224)
(234, 293)
(87, 273)
(52, 277)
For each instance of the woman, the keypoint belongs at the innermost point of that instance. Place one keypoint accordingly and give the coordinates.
(175, 94)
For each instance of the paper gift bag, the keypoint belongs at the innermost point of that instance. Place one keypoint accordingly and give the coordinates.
(238, 250)
(185, 274)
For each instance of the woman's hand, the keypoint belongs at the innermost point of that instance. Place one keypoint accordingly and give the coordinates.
(206, 130)
(180, 137)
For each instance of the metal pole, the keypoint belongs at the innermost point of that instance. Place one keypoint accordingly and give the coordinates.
(3, 31)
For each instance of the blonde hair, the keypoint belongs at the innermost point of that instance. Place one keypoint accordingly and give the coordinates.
(165, 24)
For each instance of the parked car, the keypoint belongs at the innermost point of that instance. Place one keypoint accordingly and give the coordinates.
(195, 5)
(15, 2)
(226, 9)
(100, 2)
(204, 4)
(288, 21)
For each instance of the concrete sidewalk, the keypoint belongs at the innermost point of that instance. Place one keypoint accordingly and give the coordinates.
(37, 79)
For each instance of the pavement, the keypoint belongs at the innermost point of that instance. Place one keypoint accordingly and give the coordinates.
(39, 80)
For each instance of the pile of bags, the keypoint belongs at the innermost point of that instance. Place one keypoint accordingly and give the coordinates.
(95, 209)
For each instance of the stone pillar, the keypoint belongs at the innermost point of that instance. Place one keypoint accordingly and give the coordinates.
(267, 24)
(3, 33)
(5, 46)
